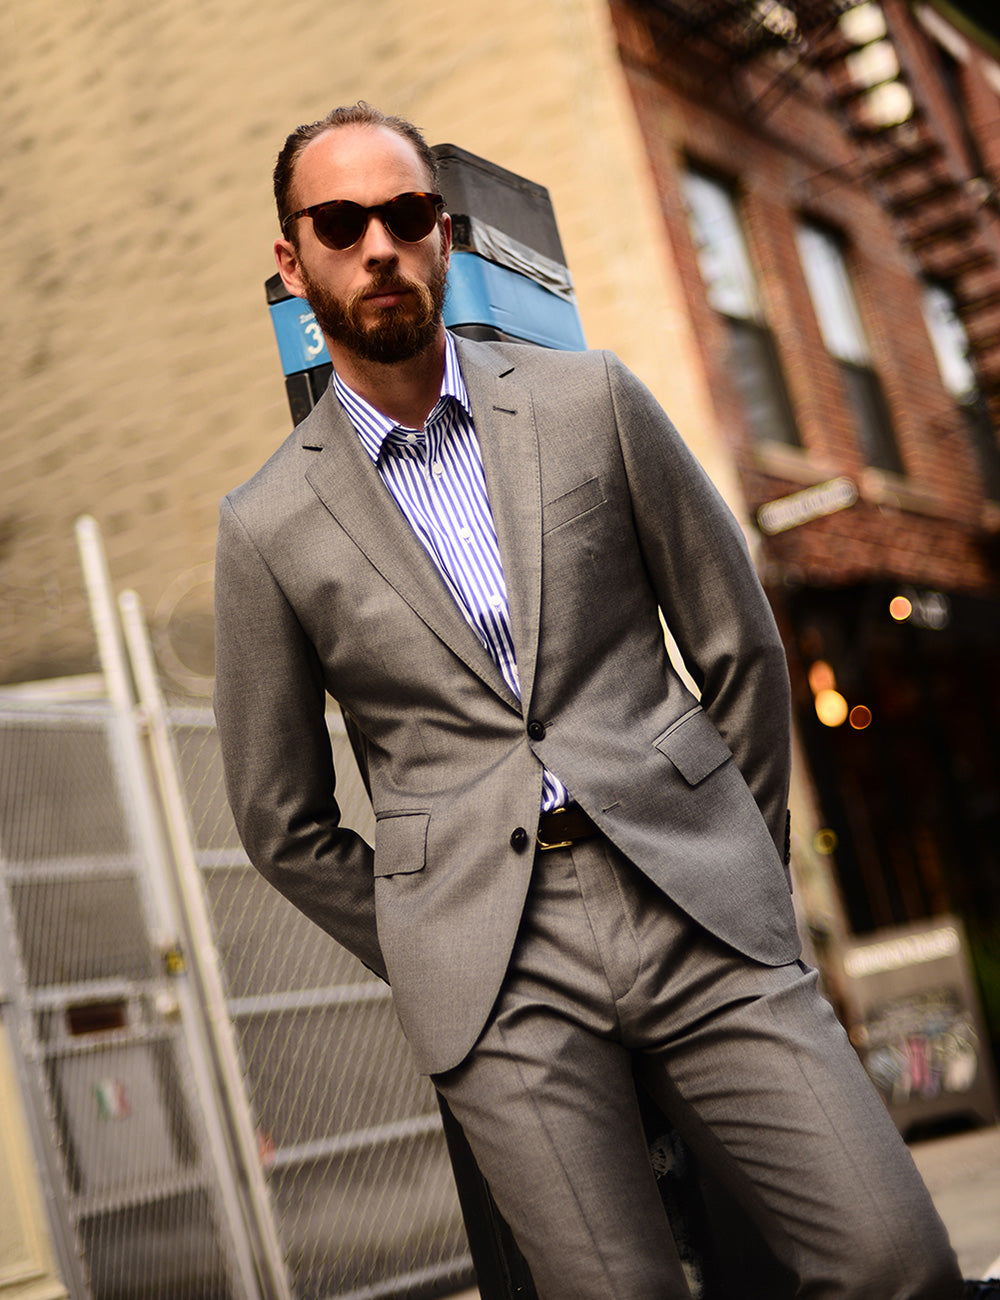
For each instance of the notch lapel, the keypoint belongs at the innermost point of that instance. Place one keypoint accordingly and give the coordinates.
(347, 482)
(503, 414)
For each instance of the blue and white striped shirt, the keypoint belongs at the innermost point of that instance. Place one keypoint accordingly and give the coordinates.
(435, 476)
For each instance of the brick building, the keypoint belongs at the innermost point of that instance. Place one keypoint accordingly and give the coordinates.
(828, 176)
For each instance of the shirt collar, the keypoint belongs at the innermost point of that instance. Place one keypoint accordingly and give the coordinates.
(373, 427)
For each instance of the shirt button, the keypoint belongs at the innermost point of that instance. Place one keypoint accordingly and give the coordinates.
(436, 469)
(536, 730)
(519, 839)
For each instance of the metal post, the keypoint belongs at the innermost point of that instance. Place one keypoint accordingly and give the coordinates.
(202, 951)
(114, 665)
(161, 910)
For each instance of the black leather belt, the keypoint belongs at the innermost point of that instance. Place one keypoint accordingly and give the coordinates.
(564, 826)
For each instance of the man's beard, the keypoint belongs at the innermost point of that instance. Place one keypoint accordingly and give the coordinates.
(396, 334)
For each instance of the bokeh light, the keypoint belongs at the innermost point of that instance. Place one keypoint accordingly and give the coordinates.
(831, 708)
(821, 677)
(900, 608)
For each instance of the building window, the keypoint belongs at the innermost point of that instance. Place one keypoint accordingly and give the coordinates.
(843, 333)
(731, 288)
(951, 346)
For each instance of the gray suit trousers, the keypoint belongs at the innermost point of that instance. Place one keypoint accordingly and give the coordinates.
(747, 1060)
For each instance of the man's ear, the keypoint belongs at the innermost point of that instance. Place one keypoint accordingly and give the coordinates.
(446, 238)
(287, 258)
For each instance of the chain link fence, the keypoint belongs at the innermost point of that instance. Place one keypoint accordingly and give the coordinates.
(104, 1035)
(124, 1052)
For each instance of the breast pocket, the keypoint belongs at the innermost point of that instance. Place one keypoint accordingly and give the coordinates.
(572, 504)
(400, 842)
(693, 746)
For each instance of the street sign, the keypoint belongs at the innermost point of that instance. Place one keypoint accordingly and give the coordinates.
(811, 503)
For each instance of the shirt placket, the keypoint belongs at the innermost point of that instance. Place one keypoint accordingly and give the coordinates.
(455, 517)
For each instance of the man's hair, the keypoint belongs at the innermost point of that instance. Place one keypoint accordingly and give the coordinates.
(359, 114)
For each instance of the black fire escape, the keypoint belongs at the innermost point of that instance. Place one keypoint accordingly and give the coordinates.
(945, 208)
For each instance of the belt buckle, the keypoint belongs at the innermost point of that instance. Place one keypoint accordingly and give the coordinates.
(545, 845)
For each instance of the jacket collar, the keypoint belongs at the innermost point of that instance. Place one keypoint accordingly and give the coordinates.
(347, 482)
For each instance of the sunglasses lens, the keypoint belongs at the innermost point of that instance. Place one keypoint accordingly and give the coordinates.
(339, 224)
(411, 217)
(408, 217)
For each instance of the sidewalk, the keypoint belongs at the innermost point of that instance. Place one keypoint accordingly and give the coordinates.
(962, 1173)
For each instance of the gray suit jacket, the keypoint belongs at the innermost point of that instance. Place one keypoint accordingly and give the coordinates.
(604, 519)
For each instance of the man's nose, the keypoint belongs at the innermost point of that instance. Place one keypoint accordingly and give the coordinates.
(377, 244)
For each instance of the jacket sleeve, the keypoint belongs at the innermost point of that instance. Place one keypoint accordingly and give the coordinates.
(276, 753)
(710, 596)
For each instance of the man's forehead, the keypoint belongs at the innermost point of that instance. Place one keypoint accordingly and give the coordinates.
(358, 155)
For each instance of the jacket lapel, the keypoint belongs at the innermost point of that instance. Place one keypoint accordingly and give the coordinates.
(505, 426)
(343, 477)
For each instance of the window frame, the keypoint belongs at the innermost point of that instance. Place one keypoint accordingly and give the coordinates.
(732, 291)
(827, 272)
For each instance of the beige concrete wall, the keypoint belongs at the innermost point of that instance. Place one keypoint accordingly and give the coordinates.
(27, 1260)
(140, 376)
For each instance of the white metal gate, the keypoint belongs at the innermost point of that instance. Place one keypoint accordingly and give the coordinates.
(104, 1018)
(224, 1103)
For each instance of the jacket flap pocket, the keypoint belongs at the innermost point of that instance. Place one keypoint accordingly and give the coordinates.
(400, 842)
(693, 746)
(572, 504)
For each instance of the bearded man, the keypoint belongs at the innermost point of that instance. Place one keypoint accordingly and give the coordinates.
(577, 861)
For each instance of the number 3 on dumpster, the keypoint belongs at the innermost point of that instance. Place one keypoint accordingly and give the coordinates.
(315, 343)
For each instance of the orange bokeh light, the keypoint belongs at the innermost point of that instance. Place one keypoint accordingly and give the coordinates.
(831, 708)
(900, 608)
(821, 677)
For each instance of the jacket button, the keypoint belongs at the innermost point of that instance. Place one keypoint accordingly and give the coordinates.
(536, 730)
(519, 839)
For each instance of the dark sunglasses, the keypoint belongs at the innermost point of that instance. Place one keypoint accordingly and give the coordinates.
(339, 223)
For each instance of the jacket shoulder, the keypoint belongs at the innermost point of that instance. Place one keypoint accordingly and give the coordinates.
(530, 359)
